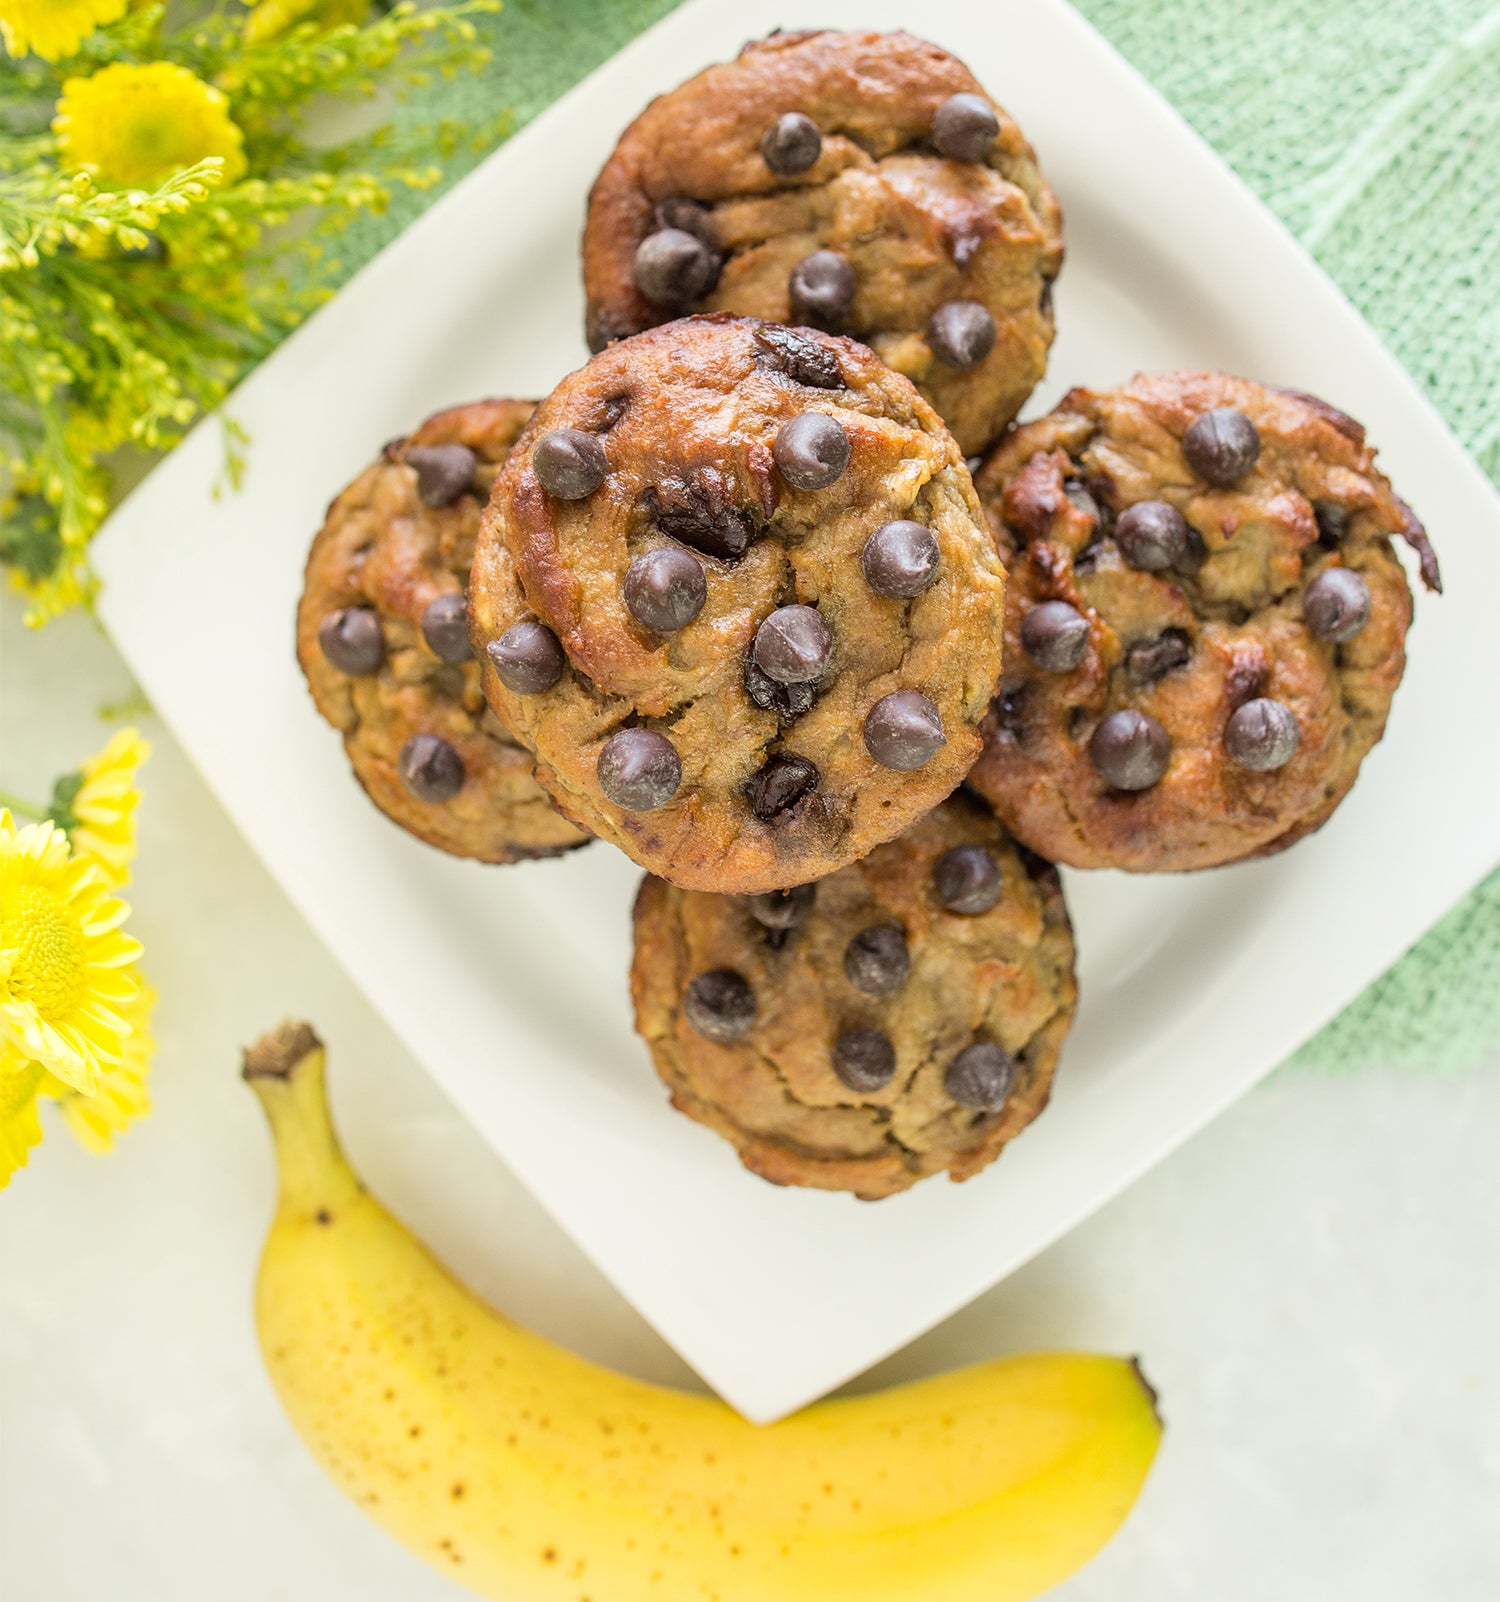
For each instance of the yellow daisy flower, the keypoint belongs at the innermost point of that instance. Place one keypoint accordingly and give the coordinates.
(53, 29)
(138, 124)
(20, 1128)
(97, 805)
(66, 970)
(122, 1096)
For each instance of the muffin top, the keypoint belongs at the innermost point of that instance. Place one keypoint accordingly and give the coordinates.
(382, 637)
(900, 1018)
(735, 591)
(864, 183)
(1205, 622)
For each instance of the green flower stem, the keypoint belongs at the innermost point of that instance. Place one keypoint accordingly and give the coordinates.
(27, 809)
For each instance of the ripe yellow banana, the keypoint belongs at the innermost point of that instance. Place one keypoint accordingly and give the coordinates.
(533, 1476)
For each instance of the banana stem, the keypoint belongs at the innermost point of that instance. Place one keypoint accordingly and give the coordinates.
(285, 1069)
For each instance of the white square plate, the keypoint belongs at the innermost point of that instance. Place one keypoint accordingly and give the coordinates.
(511, 984)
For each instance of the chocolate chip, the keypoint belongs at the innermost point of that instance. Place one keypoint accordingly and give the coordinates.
(430, 768)
(445, 627)
(528, 658)
(787, 701)
(780, 785)
(639, 769)
(1055, 636)
(673, 267)
(864, 1059)
(1080, 496)
(1152, 535)
(605, 326)
(965, 127)
(1008, 710)
(791, 144)
(811, 450)
(1262, 735)
(967, 879)
(1129, 750)
(900, 559)
(677, 211)
(665, 589)
(1336, 604)
(720, 1005)
(877, 960)
(783, 909)
(1333, 523)
(569, 463)
(904, 731)
(804, 360)
(793, 645)
(443, 472)
(1149, 660)
(961, 333)
(1221, 446)
(981, 1076)
(352, 641)
(822, 288)
(704, 511)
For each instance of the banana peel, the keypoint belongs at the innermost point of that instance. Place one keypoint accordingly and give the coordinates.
(531, 1475)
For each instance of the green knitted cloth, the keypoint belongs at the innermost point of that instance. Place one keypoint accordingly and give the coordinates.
(1372, 127)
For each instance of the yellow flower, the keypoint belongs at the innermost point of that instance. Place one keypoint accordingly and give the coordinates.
(122, 1096)
(97, 805)
(20, 1128)
(270, 18)
(54, 29)
(138, 124)
(67, 973)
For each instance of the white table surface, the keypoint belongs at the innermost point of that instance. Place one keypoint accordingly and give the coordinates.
(1311, 1283)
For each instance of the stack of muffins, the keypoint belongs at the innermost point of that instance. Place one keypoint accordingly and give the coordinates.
(775, 596)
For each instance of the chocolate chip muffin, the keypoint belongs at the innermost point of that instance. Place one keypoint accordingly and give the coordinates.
(862, 183)
(900, 1018)
(382, 636)
(1205, 625)
(735, 592)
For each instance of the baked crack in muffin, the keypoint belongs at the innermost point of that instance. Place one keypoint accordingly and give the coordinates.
(1205, 624)
(735, 592)
(900, 1018)
(382, 636)
(863, 183)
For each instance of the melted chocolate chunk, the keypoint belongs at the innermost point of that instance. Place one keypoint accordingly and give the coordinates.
(704, 512)
(780, 785)
(1333, 523)
(803, 359)
(787, 701)
(1149, 660)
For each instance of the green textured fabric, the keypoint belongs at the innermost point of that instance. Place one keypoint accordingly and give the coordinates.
(1372, 127)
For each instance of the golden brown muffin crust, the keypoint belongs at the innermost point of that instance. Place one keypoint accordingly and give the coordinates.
(918, 228)
(382, 548)
(1191, 644)
(1004, 975)
(688, 414)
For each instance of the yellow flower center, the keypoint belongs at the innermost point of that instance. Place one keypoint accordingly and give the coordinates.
(46, 942)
